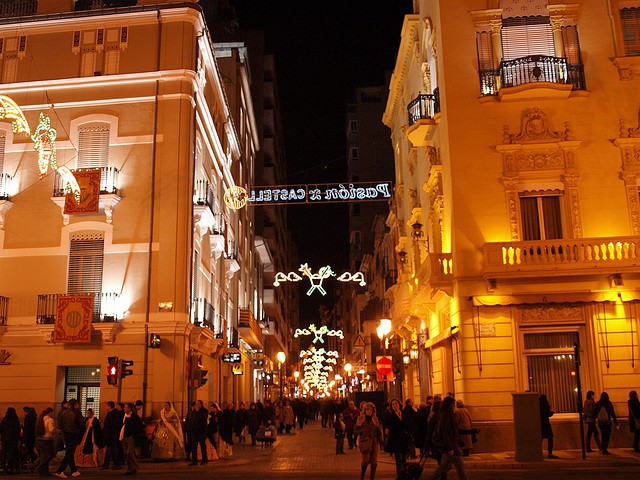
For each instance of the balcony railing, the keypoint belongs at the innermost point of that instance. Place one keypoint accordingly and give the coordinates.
(99, 4)
(204, 315)
(532, 69)
(108, 182)
(203, 194)
(423, 107)
(6, 189)
(4, 309)
(18, 8)
(569, 256)
(106, 308)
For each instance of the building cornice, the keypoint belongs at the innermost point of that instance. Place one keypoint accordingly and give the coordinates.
(403, 62)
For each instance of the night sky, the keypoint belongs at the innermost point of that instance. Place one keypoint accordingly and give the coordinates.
(323, 50)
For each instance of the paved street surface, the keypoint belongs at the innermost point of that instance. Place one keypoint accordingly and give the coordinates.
(310, 454)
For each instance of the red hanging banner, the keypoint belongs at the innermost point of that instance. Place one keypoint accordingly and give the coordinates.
(73, 319)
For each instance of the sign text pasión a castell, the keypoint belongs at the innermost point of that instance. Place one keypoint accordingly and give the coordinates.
(320, 193)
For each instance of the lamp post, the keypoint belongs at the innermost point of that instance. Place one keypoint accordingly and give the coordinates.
(282, 357)
(383, 330)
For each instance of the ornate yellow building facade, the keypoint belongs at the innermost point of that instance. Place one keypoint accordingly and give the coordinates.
(515, 130)
(136, 92)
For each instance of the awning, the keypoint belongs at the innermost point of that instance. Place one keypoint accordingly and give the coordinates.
(573, 297)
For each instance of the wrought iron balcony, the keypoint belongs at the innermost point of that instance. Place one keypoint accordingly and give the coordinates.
(203, 194)
(532, 69)
(423, 107)
(106, 308)
(108, 182)
(6, 189)
(18, 8)
(99, 4)
(578, 256)
(204, 315)
(4, 309)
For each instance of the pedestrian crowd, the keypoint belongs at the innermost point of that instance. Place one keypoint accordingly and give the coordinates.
(126, 435)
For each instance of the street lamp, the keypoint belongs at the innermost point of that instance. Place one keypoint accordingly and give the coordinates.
(296, 374)
(282, 357)
(383, 330)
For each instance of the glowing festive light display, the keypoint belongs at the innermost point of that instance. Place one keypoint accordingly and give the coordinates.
(318, 333)
(10, 109)
(44, 138)
(235, 197)
(316, 279)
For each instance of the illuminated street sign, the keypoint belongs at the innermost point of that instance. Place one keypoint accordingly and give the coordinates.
(237, 197)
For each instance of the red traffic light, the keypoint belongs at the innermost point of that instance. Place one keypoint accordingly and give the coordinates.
(112, 370)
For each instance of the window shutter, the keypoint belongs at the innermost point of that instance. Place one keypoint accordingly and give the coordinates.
(526, 36)
(88, 62)
(93, 146)
(630, 21)
(86, 258)
(10, 68)
(485, 51)
(111, 60)
(571, 45)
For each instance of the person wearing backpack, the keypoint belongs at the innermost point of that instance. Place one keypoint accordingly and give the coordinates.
(605, 414)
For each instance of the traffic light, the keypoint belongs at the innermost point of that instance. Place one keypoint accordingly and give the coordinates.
(198, 373)
(112, 370)
(124, 371)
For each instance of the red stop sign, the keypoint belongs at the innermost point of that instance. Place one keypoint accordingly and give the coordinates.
(384, 365)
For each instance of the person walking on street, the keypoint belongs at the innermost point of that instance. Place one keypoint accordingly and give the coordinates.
(72, 424)
(350, 416)
(369, 439)
(29, 432)
(545, 425)
(589, 415)
(446, 439)
(188, 426)
(199, 434)
(44, 431)
(410, 422)
(9, 439)
(465, 427)
(253, 421)
(399, 440)
(605, 415)
(338, 426)
(239, 422)
(289, 416)
(110, 433)
(634, 419)
(132, 428)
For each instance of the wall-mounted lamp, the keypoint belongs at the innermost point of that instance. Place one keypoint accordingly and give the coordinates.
(418, 235)
(165, 306)
(615, 280)
(403, 256)
(406, 358)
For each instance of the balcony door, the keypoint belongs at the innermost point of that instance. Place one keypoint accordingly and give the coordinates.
(93, 148)
(541, 217)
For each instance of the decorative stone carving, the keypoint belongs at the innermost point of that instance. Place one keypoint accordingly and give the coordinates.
(433, 156)
(5, 205)
(110, 336)
(412, 160)
(426, 77)
(413, 197)
(551, 314)
(535, 128)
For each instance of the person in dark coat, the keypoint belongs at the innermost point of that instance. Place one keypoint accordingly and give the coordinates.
(410, 421)
(545, 425)
(253, 421)
(399, 439)
(239, 422)
(422, 417)
(110, 433)
(605, 414)
(186, 429)
(226, 423)
(212, 426)
(29, 432)
(9, 439)
(199, 434)
(132, 428)
(269, 413)
(634, 419)
(350, 417)
(589, 415)
(446, 439)
(72, 425)
(432, 423)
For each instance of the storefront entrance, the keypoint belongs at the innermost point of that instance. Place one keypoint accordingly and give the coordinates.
(83, 384)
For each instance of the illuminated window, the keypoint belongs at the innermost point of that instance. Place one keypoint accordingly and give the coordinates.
(630, 21)
(541, 216)
(86, 256)
(550, 362)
